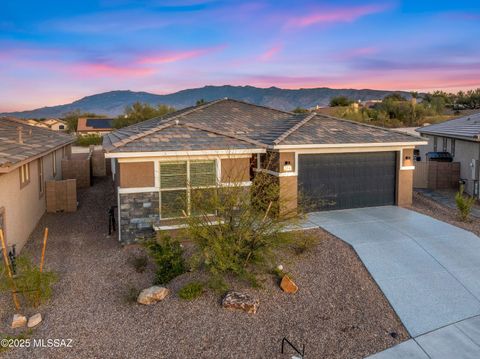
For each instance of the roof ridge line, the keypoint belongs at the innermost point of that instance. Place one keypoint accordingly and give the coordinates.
(365, 124)
(165, 124)
(208, 129)
(293, 129)
(261, 106)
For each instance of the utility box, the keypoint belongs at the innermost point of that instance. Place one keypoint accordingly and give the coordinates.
(61, 196)
(475, 170)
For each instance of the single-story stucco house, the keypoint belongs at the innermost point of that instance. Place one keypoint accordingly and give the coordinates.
(347, 163)
(29, 156)
(461, 138)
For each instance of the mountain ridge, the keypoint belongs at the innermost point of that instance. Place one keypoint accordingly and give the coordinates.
(113, 103)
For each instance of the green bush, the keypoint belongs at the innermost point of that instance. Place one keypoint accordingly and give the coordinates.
(90, 139)
(191, 291)
(139, 263)
(33, 286)
(464, 204)
(168, 256)
(244, 242)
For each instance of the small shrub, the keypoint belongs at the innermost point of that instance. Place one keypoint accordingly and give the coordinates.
(191, 291)
(168, 256)
(33, 286)
(139, 263)
(131, 295)
(304, 242)
(464, 204)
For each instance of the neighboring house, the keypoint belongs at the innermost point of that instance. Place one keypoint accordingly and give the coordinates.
(461, 138)
(29, 156)
(98, 126)
(335, 163)
(55, 124)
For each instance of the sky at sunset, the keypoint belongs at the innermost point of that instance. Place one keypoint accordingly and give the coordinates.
(54, 52)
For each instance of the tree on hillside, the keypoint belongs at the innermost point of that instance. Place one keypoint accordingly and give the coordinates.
(340, 101)
(200, 102)
(300, 110)
(71, 118)
(139, 112)
(394, 97)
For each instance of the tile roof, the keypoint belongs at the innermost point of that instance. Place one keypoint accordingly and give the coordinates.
(35, 141)
(467, 127)
(185, 137)
(258, 126)
(323, 129)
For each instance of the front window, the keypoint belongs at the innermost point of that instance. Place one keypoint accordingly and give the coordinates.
(24, 175)
(181, 180)
(445, 144)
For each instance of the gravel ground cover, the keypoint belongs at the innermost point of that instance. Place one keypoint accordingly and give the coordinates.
(441, 212)
(339, 312)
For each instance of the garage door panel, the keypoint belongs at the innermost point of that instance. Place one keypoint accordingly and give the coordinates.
(347, 180)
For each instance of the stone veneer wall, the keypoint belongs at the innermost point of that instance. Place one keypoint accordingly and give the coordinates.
(137, 211)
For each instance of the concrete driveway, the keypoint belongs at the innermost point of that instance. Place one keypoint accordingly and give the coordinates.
(428, 270)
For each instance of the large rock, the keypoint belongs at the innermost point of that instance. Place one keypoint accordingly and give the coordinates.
(19, 321)
(34, 320)
(242, 301)
(152, 295)
(287, 285)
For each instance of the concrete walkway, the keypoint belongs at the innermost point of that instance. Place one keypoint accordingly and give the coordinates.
(428, 270)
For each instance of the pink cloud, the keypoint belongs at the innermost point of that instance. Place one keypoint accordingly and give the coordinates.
(106, 70)
(175, 56)
(270, 53)
(347, 14)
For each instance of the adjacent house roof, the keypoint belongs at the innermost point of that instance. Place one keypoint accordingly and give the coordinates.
(227, 123)
(467, 128)
(20, 142)
(86, 124)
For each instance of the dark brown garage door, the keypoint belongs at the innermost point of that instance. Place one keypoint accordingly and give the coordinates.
(347, 180)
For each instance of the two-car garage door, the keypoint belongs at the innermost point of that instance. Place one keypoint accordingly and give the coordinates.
(347, 180)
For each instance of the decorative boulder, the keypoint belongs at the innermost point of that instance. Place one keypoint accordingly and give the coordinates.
(19, 321)
(152, 295)
(34, 320)
(242, 301)
(287, 285)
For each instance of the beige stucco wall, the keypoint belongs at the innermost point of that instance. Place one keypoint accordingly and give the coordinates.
(24, 207)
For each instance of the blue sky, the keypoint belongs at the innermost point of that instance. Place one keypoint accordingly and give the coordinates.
(54, 52)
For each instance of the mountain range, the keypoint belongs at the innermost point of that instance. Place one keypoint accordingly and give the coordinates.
(113, 103)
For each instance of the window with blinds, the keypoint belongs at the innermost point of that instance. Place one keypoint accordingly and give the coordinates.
(203, 173)
(176, 182)
(173, 175)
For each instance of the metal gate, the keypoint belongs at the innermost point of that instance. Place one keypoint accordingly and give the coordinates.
(347, 180)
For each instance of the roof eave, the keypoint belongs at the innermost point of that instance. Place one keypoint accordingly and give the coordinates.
(475, 138)
(349, 145)
(186, 153)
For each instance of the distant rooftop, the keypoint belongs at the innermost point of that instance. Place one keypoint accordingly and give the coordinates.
(94, 124)
(467, 127)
